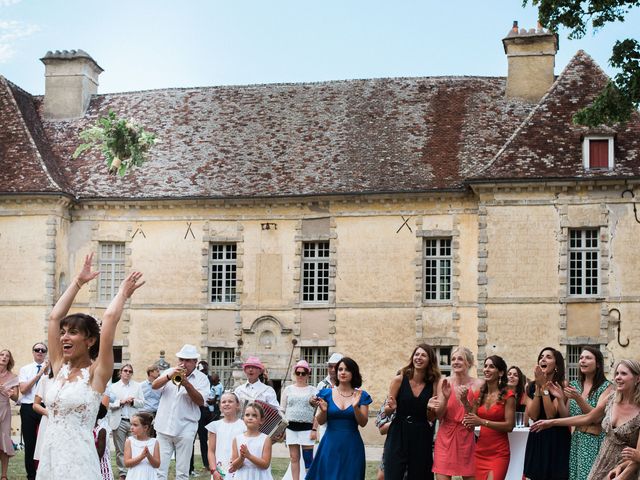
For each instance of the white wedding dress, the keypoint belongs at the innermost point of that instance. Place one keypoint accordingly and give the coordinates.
(69, 450)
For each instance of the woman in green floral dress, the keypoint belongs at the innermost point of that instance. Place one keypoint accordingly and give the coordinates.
(583, 397)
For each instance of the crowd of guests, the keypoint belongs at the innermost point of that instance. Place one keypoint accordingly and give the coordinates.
(153, 420)
(434, 425)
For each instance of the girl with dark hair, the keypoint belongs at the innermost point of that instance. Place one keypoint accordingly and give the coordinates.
(141, 449)
(494, 411)
(547, 453)
(517, 382)
(81, 357)
(583, 397)
(343, 408)
(407, 450)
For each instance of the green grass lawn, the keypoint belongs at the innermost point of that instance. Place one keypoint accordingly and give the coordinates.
(278, 468)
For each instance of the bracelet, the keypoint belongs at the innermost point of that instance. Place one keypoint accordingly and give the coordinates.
(314, 430)
(78, 284)
(486, 423)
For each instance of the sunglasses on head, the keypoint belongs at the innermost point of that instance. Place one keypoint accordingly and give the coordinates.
(40, 350)
(301, 373)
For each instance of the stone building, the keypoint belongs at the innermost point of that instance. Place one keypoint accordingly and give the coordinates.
(360, 216)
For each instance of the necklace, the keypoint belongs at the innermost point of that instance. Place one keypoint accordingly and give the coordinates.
(345, 396)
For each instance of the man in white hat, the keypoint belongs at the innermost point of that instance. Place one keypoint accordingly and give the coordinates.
(254, 389)
(330, 380)
(178, 412)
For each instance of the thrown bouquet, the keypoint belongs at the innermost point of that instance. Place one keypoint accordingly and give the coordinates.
(123, 143)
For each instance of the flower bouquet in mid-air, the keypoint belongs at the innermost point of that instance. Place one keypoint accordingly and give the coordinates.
(123, 143)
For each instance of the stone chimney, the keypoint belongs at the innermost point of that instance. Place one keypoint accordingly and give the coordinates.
(531, 54)
(71, 77)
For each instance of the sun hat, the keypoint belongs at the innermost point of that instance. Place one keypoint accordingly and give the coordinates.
(253, 362)
(335, 358)
(188, 352)
(302, 364)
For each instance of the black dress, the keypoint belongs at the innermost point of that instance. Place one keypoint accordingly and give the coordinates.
(409, 444)
(547, 454)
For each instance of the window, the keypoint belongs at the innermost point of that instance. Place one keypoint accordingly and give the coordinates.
(222, 272)
(573, 360)
(220, 360)
(437, 269)
(111, 266)
(443, 354)
(597, 153)
(583, 262)
(315, 272)
(117, 363)
(317, 357)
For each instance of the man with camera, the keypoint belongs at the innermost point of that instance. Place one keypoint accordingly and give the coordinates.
(183, 391)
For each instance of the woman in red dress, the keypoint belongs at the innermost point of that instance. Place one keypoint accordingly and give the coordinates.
(495, 411)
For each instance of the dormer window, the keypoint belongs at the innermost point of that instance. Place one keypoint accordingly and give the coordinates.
(597, 153)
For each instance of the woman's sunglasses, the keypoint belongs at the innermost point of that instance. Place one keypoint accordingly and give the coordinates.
(301, 373)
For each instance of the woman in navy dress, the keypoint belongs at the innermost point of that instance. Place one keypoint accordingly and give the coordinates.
(340, 455)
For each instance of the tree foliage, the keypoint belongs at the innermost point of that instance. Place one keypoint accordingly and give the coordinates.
(621, 97)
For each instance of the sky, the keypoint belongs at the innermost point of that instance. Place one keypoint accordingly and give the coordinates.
(150, 44)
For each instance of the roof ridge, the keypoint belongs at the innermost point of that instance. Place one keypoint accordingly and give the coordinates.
(579, 54)
(295, 84)
(43, 165)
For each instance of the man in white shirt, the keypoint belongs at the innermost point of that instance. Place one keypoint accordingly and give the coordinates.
(178, 413)
(254, 389)
(29, 377)
(129, 398)
(329, 382)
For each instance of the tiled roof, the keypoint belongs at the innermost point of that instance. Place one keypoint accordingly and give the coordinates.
(343, 137)
(26, 164)
(549, 145)
(384, 135)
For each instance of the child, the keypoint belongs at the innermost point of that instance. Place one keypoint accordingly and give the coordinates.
(100, 438)
(251, 451)
(221, 435)
(141, 452)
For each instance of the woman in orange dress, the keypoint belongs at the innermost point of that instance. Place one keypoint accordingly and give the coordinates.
(455, 444)
(495, 412)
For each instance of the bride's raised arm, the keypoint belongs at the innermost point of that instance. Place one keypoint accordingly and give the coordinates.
(103, 366)
(61, 308)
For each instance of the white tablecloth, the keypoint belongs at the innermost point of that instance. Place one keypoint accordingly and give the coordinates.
(518, 445)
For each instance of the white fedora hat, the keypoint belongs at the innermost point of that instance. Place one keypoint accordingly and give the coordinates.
(188, 352)
(335, 358)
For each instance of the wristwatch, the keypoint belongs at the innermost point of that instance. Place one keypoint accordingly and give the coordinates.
(545, 392)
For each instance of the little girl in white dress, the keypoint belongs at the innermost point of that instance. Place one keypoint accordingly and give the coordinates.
(251, 455)
(221, 435)
(141, 452)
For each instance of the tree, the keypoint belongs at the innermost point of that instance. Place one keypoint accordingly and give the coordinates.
(621, 97)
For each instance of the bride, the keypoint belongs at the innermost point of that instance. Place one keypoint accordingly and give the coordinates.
(81, 356)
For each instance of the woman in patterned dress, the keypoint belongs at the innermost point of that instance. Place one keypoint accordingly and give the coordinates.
(620, 416)
(583, 396)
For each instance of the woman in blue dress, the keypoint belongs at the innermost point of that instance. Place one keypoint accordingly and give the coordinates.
(344, 408)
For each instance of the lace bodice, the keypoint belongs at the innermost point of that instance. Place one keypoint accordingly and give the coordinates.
(68, 450)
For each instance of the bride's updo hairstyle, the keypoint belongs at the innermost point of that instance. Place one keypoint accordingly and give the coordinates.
(89, 328)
